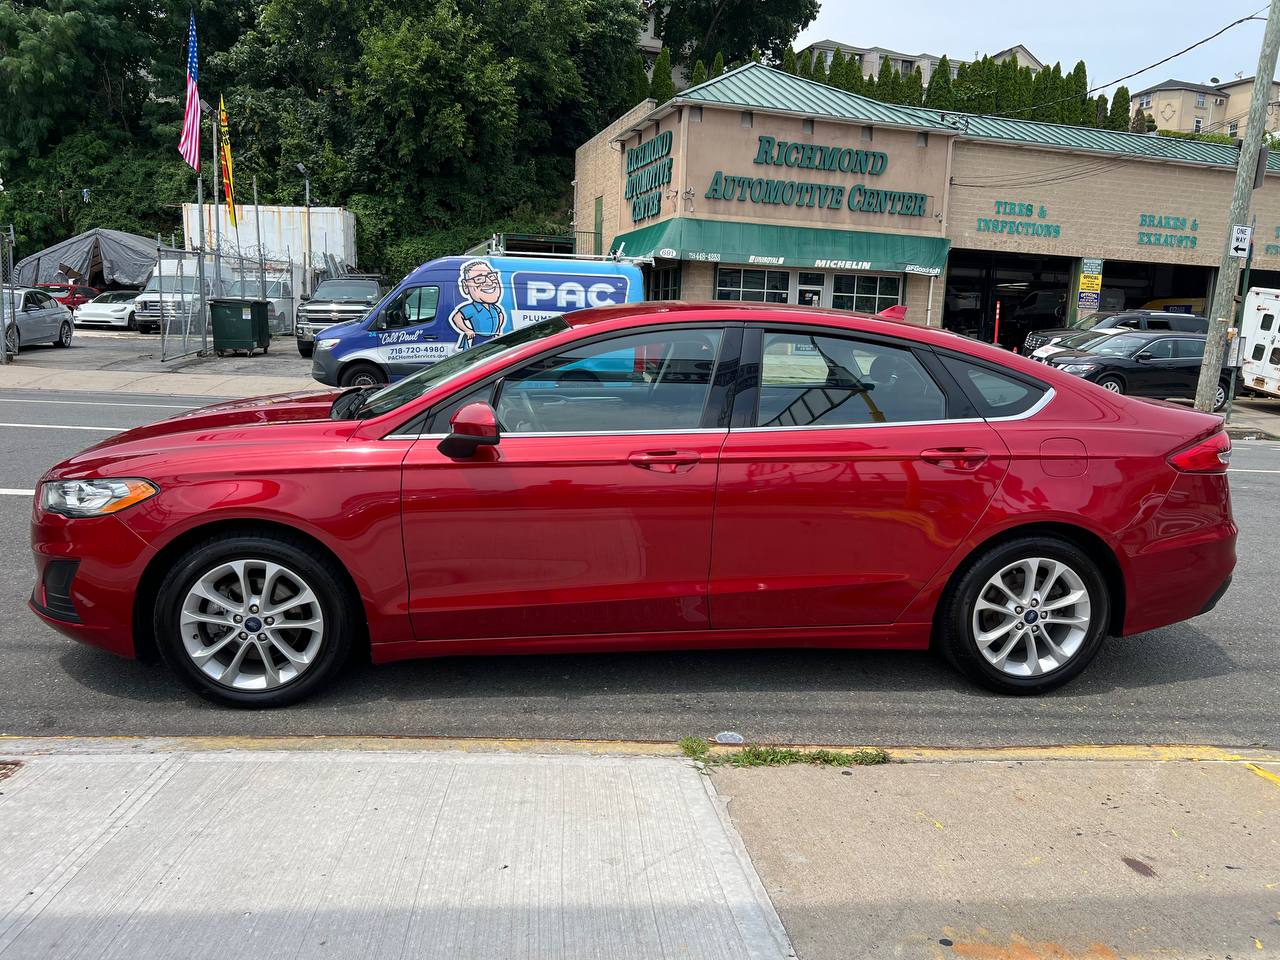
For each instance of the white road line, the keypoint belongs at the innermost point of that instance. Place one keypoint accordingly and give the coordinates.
(106, 403)
(63, 426)
(15, 492)
(1247, 470)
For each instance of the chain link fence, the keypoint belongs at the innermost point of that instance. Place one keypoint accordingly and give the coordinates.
(176, 299)
(8, 295)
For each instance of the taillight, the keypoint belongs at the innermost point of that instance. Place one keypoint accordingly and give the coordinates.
(1205, 456)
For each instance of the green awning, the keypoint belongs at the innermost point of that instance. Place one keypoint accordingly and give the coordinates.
(774, 245)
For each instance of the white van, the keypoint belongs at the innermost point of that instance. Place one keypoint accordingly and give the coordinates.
(1260, 342)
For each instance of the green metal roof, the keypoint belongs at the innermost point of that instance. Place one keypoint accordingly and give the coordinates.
(755, 86)
(770, 244)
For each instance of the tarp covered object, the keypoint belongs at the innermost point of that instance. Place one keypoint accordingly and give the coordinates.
(98, 255)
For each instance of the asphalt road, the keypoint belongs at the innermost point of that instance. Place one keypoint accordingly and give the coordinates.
(1215, 680)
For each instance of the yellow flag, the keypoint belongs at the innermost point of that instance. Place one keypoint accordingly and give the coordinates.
(228, 177)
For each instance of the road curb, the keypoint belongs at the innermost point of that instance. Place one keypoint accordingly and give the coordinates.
(16, 746)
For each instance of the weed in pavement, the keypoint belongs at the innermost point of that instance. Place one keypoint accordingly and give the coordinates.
(756, 755)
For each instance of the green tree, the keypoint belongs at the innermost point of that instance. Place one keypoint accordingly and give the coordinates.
(638, 86)
(699, 74)
(662, 88)
(913, 88)
(888, 82)
(818, 67)
(1120, 116)
(962, 91)
(1009, 95)
(695, 28)
(941, 95)
(1100, 111)
(717, 65)
(836, 70)
(789, 60)
(1080, 108)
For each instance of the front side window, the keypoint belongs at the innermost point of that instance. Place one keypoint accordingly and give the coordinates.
(414, 306)
(866, 294)
(649, 381)
(808, 380)
(1160, 349)
(755, 286)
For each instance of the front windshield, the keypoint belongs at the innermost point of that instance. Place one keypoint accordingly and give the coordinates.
(116, 296)
(1089, 322)
(410, 388)
(1121, 345)
(346, 290)
(171, 285)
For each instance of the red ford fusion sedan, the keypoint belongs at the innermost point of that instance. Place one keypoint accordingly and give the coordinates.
(652, 476)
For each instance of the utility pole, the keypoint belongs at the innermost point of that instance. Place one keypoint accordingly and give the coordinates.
(1224, 291)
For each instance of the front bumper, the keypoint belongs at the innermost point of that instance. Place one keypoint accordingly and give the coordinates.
(95, 605)
(324, 367)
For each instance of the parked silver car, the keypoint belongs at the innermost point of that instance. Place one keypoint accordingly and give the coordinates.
(32, 316)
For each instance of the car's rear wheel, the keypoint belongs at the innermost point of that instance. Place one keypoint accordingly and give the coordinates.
(1025, 616)
(361, 375)
(64, 335)
(1114, 384)
(254, 620)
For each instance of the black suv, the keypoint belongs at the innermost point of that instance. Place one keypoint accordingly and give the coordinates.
(1134, 319)
(1145, 363)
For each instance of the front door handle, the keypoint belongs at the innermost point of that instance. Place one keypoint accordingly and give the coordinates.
(958, 458)
(665, 461)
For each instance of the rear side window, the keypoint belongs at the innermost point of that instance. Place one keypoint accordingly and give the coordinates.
(1190, 350)
(1190, 324)
(1275, 356)
(1268, 321)
(1158, 324)
(815, 381)
(994, 394)
(1259, 350)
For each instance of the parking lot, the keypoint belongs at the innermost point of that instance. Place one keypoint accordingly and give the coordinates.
(1215, 679)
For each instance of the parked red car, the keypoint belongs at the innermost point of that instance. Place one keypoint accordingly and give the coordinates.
(652, 476)
(70, 295)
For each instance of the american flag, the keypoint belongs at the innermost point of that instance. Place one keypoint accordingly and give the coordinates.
(189, 142)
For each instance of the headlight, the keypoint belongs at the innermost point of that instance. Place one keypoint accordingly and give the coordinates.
(1079, 369)
(327, 344)
(94, 498)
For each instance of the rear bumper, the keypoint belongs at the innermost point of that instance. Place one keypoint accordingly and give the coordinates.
(1184, 566)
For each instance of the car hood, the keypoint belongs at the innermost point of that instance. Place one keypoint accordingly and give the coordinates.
(1051, 332)
(1077, 356)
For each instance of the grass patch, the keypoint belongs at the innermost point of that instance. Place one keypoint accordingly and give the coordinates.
(757, 755)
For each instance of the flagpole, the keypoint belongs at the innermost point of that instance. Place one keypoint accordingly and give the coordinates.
(200, 297)
(217, 209)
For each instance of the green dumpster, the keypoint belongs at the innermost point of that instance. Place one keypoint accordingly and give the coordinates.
(239, 324)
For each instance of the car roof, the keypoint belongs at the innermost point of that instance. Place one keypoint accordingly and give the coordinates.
(1157, 313)
(1161, 334)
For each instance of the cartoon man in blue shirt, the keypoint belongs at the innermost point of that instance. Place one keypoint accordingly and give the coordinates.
(480, 318)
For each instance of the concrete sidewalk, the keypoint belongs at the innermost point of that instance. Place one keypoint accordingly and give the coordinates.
(360, 854)
(210, 385)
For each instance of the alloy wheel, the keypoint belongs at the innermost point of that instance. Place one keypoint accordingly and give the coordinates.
(252, 624)
(1112, 385)
(64, 335)
(11, 340)
(1219, 397)
(1031, 617)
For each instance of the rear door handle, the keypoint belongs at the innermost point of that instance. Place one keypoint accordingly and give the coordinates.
(959, 458)
(665, 461)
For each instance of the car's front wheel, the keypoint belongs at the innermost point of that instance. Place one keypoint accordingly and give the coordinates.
(1025, 616)
(306, 348)
(254, 620)
(132, 323)
(12, 341)
(1220, 395)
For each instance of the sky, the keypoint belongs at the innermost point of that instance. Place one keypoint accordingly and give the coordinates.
(1113, 38)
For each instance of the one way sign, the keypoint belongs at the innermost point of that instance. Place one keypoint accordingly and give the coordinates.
(1240, 238)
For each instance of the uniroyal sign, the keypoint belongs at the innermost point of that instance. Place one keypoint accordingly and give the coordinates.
(648, 171)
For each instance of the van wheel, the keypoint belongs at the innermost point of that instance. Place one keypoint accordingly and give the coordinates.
(254, 619)
(1025, 616)
(361, 375)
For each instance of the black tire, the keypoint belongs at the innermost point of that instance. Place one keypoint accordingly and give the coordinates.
(306, 349)
(13, 340)
(1221, 395)
(65, 333)
(132, 324)
(337, 602)
(1114, 384)
(954, 625)
(361, 375)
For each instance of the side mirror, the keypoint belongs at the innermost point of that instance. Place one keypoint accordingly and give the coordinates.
(1143, 357)
(473, 426)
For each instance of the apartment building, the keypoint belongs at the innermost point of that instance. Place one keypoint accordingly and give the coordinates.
(1204, 108)
(904, 63)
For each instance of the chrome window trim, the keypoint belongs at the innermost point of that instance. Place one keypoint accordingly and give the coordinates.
(582, 433)
(1029, 412)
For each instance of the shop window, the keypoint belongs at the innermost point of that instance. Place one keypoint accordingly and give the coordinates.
(838, 381)
(664, 284)
(1268, 321)
(809, 289)
(1259, 351)
(754, 286)
(864, 292)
